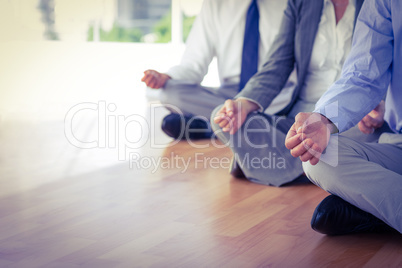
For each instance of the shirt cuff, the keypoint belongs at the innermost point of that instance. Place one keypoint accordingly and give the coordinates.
(331, 112)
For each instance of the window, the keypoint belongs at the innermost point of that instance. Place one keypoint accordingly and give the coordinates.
(148, 21)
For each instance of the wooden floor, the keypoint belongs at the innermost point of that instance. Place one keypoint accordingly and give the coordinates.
(56, 213)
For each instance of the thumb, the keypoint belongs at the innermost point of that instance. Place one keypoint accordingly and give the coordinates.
(229, 106)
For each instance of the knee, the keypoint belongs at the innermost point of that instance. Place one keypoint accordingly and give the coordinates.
(168, 96)
(163, 96)
(172, 100)
(329, 171)
(314, 173)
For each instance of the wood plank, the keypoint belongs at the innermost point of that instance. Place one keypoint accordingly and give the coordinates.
(117, 216)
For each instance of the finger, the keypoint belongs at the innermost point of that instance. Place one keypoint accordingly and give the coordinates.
(227, 128)
(222, 117)
(229, 105)
(144, 77)
(317, 155)
(364, 128)
(298, 150)
(370, 121)
(291, 133)
(220, 114)
(218, 119)
(235, 125)
(233, 130)
(293, 142)
(151, 72)
(231, 126)
(314, 161)
(308, 154)
(225, 125)
(156, 81)
(300, 120)
(307, 145)
(148, 79)
(312, 151)
(152, 83)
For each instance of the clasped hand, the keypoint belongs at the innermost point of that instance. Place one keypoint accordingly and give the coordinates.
(309, 135)
(155, 79)
(233, 114)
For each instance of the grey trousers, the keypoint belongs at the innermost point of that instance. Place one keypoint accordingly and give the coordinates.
(259, 146)
(259, 149)
(367, 175)
(194, 99)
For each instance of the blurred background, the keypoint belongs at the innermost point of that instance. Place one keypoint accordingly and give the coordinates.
(149, 21)
(56, 54)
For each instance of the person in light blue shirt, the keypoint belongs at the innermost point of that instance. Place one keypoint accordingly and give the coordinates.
(365, 179)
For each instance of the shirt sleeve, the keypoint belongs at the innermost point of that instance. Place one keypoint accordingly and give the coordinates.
(366, 73)
(200, 47)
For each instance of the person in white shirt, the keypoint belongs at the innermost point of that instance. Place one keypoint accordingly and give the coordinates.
(315, 36)
(218, 31)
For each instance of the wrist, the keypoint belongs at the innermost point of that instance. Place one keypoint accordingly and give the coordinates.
(330, 125)
(248, 106)
(166, 76)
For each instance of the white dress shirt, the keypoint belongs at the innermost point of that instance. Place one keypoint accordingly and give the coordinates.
(218, 32)
(331, 47)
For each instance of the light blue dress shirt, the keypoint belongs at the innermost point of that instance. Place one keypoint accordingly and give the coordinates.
(373, 65)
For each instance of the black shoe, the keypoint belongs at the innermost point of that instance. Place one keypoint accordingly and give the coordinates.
(194, 128)
(236, 171)
(301, 180)
(335, 216)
